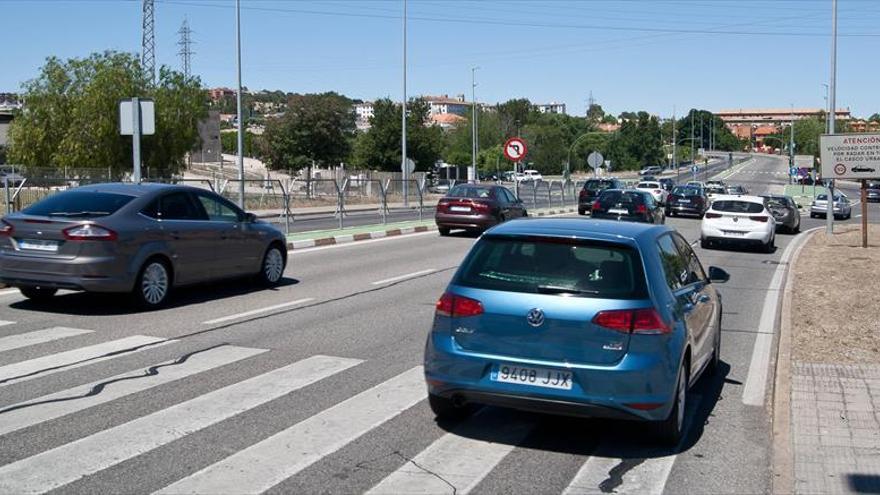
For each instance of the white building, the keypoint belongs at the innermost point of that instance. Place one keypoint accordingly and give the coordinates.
(443, 104)
(551, 107)
(363, 113)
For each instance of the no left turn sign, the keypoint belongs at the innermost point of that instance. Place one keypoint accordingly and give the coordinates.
(515, 149)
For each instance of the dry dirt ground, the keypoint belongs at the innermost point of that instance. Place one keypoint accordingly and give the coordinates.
(836, 299)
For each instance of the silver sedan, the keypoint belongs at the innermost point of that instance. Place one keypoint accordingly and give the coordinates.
(144, 239)
(842, 207)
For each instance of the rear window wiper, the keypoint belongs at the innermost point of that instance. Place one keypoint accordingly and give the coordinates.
(555, 289)
(78, 213)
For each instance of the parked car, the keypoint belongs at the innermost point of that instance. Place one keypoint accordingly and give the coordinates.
(738, 220)
(591, 190)
(576, 317)
(652, 170)
(715, 182)
(145, 239)
(737, 189)
(530, 176)
(872, 193)
(654, 189)
(686, 200)
(667, 183)
(842, 207)
(786, 212)
(628, 204)
(476, 208)
(441, 186)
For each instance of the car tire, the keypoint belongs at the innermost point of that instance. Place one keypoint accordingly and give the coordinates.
(670, 430)
(444, 231)
(770, 246)
(153, 284)
(444, 408)
(582, 212)
(715, 363)
(38, 294)
(272, 267)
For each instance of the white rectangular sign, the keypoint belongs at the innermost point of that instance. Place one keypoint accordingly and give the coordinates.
(803, 161)
(148, 118)
(850, 156)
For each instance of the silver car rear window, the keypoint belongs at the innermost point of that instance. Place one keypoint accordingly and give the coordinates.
(565, 267)
(79, 204)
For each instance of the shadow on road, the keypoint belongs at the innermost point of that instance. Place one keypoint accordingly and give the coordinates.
(95, 304)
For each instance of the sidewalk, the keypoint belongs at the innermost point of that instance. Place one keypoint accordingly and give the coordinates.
(827, 394)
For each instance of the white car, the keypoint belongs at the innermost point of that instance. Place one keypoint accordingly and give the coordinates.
(655, 189)
(652, 170)
(738, 220)
(530, 175)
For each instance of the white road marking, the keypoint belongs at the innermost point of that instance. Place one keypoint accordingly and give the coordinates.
(63, 361)
(107, 448)
(647, 475)
(271, 461)
(47, 407)
(3, 323)
(37, 337)
(459, 458)
(756, 381)
(257, 311)
(404, 277)
(9, 292)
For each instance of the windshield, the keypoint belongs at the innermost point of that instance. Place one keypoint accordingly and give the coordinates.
(79, 204)
(612, 197)
(598, 185)
(557, 266)
(648, 185)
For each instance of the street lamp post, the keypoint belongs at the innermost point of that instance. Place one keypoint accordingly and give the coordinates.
(474, 149)
(240, 157)
(832, 104)
(403, 164)
(571, 148)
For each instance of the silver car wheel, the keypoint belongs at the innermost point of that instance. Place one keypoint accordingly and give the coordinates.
(273, 267)
(154, 283)
(681, 398)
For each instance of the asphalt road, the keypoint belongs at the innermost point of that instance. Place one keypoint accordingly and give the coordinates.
(315, 387)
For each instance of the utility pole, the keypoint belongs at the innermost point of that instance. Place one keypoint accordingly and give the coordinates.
(791, 145)
(829, 212)
(674, 139)
(403, 167)
(240, 157)
(474, 150)
(693, 156)
(702, 141)
(148, 42)
(185, 45)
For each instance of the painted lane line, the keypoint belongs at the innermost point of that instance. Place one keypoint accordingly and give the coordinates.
(756, 380)
(3, 323)
(271, 461)
(404, 277)
(458, 458)
(37, 337)
(257, 311)
(645, 475)
(9, 292)
(63, 361)
(110, 447)
(47, 407)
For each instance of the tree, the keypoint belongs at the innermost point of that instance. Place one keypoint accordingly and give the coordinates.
(316, 129)
(875, 117)
(806, 136)
(252, 143)
(548, 148)
(71, 117)
(595, 113)
(380, 147)
(514, 115)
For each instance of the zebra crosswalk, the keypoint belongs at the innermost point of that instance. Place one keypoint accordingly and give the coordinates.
(456, 461)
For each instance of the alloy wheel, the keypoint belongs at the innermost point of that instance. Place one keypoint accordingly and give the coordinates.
(154, 283)
(273, 267)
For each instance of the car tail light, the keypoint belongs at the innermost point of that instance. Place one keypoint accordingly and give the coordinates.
(480, 206)
(89, 232)
(458, 306)
(641, 209)
(759, 218)
(596, 206)
(6, 228)
(657, 191)
(643, 321)
(443, 205)
(582, 194)
(713, 215)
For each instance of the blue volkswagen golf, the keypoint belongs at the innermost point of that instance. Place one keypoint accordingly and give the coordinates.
(576, 317)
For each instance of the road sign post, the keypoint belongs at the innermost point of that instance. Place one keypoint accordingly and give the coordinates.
(595, 160)
(137, 117)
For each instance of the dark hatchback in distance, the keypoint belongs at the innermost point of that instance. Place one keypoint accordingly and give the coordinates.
(576, 317)
(476, 207)
(627, 204)
(591, 190)
(144, 239)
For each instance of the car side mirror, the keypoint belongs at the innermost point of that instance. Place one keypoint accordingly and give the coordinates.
(718, 275)
(250, 218)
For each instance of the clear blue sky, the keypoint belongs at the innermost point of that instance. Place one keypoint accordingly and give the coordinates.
(633, 54)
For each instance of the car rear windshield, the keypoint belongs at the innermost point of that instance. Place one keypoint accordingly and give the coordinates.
(715, 189)
(470, 192)
(566, 267)
(779, 202)
(824, 197)
(612, 197)
(79, 204)
(686, 191)
(738, 206)
(598, 185)
(648, 185)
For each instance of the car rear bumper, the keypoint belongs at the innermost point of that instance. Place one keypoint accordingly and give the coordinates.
(749, 237)
(480, 222)
(627, 218)
(95, 274)
(600, 391)
(686, 209)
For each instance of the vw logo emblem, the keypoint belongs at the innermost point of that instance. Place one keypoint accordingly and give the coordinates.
(535, 317)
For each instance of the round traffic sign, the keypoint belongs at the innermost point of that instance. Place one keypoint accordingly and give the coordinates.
(595, 159)
(840, 169)
(515, 149)
(695, 169)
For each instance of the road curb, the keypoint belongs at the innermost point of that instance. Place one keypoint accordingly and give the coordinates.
(782, 481)
(379, 234)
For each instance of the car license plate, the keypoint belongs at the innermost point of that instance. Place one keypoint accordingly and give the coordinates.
(38, 245)
(734, 233)
(459, 208)
(684, 201)
(615, 211)
(538, 377)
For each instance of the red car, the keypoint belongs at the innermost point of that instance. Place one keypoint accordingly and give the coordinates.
(476, 207)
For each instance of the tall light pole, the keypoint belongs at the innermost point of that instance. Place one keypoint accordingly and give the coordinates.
(474, 150)
(240, 157)
(693, 157)
(403, 167)
(791, 145)
(674, 140)
(827, 114)
(832, 104)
